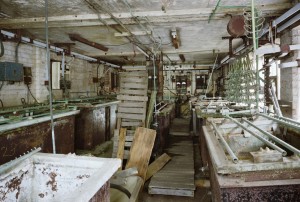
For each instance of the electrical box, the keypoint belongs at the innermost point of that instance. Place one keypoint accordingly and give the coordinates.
(11, 71)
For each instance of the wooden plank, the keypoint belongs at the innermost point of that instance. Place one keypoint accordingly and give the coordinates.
(157, 165)
(134, 80)
(150, 108)
(131, 110)
(121, 144)
(134, 85)
(131, 116)
(171, 192)
(132, 98)
(131, 123)
(116, 142)
(141, 150)
(134, 73)
(132, 104)
(126, 153)
(124, 91)
(127, 138)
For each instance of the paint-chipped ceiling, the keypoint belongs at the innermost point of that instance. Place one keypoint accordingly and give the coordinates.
(200, 39)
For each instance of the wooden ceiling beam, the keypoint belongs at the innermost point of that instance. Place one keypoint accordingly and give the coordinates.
(77, 37)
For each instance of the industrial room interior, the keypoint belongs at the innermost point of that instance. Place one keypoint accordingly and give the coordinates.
(149, 101)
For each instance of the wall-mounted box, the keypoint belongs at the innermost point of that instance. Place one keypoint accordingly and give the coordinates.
(11, 71)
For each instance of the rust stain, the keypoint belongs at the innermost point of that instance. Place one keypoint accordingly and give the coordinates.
(12, 185)
(52, 182)
(82, 176)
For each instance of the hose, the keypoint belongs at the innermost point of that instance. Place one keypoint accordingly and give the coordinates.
(2, 47)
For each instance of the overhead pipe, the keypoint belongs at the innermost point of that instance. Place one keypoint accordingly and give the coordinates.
(258, 136)
(56, 49)
(227, 147)
(276, 139)
(285, 123)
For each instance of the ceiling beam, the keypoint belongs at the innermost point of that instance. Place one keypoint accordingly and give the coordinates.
(77, 37)
(127, 18)
(172, 51)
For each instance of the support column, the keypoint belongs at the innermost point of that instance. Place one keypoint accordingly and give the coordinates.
(290, 77)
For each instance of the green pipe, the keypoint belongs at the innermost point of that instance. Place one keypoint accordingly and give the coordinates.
(214, 11)
(254, 49)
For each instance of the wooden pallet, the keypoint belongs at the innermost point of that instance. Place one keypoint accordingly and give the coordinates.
(132, 107)
(177, 177)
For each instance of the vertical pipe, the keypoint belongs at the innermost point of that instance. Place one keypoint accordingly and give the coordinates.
(49, 76)
(255, 57)
(154, 87)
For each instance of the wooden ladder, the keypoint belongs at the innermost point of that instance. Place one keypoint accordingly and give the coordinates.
(131, 109)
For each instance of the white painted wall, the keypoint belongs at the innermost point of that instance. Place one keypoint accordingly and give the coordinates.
(81, 73)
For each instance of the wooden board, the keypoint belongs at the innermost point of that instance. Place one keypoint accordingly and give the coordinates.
(134, 80)
(124, 91)
(132, 104)
(121, 144)
(132, 98)
(180, 127)
(157, 165)
(131, 123)
(176, 177)
(131, 110)
(150, 109)
(141, 150)
(131, 116)
(134, 73)
(134, 85)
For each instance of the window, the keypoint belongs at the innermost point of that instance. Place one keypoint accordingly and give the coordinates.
(201, 81)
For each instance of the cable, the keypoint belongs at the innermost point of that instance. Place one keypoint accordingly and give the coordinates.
(2, 105)
(32, 94)
(17, 52)
(2, 47)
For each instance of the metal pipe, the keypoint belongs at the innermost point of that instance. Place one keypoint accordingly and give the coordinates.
(162, 107)
(255, 61)
(228, 149)
(276, 101)
(288, 119)
(276, 139)
(9, 165)
(292, 125)
(258, 136)
(56, 49)
(49, 77)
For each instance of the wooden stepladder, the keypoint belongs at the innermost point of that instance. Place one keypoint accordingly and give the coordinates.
(131, 109)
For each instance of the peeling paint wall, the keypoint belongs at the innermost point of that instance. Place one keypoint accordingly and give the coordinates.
(81, 74)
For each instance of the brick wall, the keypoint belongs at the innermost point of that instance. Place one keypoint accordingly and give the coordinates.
(290, 77)
(81, 73)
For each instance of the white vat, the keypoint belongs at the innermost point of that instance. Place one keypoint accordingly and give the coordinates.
(56, 177)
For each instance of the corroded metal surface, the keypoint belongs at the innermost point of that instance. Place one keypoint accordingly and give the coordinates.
(103, 195)
(266, 193)
(90, 128)
(16, 142)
